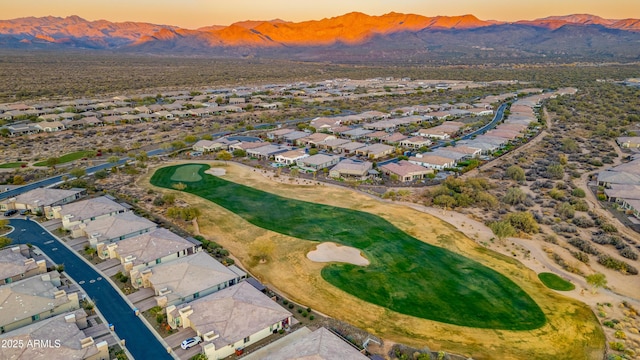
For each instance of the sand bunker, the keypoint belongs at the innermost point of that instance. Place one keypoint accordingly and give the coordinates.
(216, 171)
(329, 252)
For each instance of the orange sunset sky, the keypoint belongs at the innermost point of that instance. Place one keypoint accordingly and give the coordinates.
(192, 14)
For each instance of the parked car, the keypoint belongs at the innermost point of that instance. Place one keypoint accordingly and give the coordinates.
(10, 212)
(25, 212)
(191, 342)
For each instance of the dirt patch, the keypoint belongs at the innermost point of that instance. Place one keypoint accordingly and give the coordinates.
(330, 252)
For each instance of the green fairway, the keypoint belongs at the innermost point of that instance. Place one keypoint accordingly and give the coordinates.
(69, 157)
(555, 282)
(405, 275)
(12, 165)
(187, 173)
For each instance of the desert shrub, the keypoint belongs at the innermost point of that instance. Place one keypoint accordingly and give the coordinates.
(608, 228)
(564, 228)
(584, 246)
(516, 173)
(579, 193)
(523, 221)
(579, 204)
(550, 238)
(580, 256)
(611, 263)
(557, 194)
(514, 196)
(617, 346)
(628, 253)
(565, 210)
(583, 222)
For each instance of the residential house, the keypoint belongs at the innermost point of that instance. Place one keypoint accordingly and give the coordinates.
(230, 319)
(351, 169)
(357, 133)
(466, 150)
(376, 151)
(186, 279)
(444, 131)
(50, 126)
(332, 144)
(376, 135)
(432, 161)
(608, 177)
(629, 141)
(236, 100)
(22, 129)
(292, 137)
(36, 298)
(278, 134)
(291, 157)
(314, 139)
(415, 142)
(60, 337)
(267, 151)
(350, 147)
(15, 265)
(324, 123)
(154, 247)
(84, 211)
(42, 200)
(206, 146)
(318, 161)
(394, 138)
(405, 171)
(246, 145)
(115, 228)
(321, 344)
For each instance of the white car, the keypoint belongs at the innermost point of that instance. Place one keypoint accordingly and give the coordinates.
(191, 342)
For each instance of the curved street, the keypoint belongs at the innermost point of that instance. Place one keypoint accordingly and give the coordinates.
(139, 340)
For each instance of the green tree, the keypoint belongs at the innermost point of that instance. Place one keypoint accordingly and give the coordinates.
(514, 196)
(5, 241)
(169, 198)
(565, 210)
(224, 155)
(52, 162)
(101, 174)
(313, 151)
(597, 280)
(17, 180)
(239, 153)
(113, 159)
(577, 192)
(502, 229)
(77, 172)
(569, 145)
(294, 172)
(445, 202)
(189, 213)
(523, 221)
(515, 172)
(190, 139)
(262, 249)
(175, 145)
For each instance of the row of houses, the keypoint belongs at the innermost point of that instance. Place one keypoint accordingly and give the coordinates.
(37, 310)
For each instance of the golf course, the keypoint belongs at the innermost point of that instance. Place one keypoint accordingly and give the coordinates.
(405, 275)
(426, 284)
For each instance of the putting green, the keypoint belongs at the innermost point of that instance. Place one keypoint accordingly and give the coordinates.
(406, 275)
(555, 282)
(187, 173)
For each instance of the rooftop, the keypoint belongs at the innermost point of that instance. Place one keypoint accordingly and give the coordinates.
(45, 197)
(61, 329)
(13, 262)
(25, 298)
(318, 159)
(86, 209)
(153, 245)
(189, 275)
(321, 344)
(234, 313)
(113, 227)
(404, 168)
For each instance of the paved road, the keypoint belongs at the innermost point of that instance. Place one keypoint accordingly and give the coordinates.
(140, 341)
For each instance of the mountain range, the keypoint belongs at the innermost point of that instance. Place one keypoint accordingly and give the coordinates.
(350, 37)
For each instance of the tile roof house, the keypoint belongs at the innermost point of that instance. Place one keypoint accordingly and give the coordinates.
(351, 169)
(42, 200)
(376, 151)
(415, 142)
(188, 278)
(290, 157)
(321, 344)
(405, 171)
(84, 211)
(115, 228)
(15, 265)
(267, 151)
(62, 336)
(230, 319)
(154, 247)
(432, 161)
(36, 298)
(318, 161)
(629, 141)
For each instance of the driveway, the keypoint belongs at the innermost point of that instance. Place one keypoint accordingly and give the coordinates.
(140, 341)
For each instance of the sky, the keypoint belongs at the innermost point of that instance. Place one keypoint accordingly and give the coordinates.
(192, 14)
